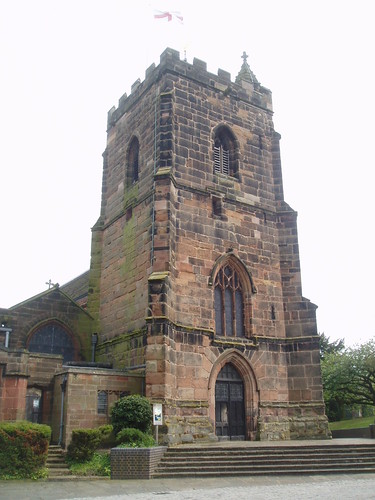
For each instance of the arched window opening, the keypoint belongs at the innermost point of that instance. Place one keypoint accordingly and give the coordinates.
(133, 161)
(229, 308)
(52, 338)
(225, 155)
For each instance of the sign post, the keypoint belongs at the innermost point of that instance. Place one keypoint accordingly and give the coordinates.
(157, 418)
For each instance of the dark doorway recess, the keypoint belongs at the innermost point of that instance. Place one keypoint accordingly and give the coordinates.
(229, 404)
(34, 406)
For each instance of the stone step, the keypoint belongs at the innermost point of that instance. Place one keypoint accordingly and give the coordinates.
(55, 461)
(55, 458)
(273, 449)
(271, 460)
(79, 478)
(275, 456)
(56, 455)
(56, 465)
(234, 461)
(59, 471)
(282, 465)
(305, 471)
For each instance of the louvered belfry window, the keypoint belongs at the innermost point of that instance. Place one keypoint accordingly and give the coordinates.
(225, 155)
(221, 160)
(229, 310)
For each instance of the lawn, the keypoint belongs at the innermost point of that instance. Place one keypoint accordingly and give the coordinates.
(355, 423)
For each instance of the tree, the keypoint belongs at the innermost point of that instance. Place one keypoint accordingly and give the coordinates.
(327, 347)
(335, 407)
(349, 376)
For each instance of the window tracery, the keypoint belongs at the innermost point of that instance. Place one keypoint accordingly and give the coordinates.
(229, 303)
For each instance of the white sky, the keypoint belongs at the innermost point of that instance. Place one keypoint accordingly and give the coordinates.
(64, 64)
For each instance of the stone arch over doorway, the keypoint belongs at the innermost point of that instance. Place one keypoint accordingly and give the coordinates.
(250, 389)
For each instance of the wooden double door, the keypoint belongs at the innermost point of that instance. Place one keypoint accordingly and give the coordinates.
(230, 404)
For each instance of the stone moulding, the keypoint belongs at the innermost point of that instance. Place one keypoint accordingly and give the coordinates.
(135, 463)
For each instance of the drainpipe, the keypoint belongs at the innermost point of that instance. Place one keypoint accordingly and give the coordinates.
(7, 332)
(94, 341)
(63, 389)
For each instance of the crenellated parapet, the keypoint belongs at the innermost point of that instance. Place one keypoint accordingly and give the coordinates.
(245, 88)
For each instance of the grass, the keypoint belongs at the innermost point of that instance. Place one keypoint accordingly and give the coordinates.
(99, 465)
(355, 423)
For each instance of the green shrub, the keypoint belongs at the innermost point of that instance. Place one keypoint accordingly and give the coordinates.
(134, 438)
(99, 465)
(83, 444)
(131, 411)
(107, 436)
(23, 449)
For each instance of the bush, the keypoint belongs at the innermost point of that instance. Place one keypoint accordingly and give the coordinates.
(83, 445)
(107, 436)
(99, 465)
(23, 449)
(131, 411)
(134, 438)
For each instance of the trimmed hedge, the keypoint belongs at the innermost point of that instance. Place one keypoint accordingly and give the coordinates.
(134, 438)
(83, 444)
(131, 412)
(23, 449)
(107, 436)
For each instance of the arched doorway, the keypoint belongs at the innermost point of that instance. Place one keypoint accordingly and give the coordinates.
(230, 404)
(233, 368)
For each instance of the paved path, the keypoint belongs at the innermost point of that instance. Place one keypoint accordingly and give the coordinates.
(332, 487)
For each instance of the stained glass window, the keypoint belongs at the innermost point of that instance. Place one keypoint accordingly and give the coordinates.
(229, 310)
(52, 338)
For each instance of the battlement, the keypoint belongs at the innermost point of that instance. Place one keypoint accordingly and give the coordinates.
(242, 89)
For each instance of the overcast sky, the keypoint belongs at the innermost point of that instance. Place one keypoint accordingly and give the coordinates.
(64, 64)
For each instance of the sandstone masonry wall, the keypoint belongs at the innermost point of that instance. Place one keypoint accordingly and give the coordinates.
(159, 242)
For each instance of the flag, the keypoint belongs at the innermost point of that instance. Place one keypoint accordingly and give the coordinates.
(170, 15)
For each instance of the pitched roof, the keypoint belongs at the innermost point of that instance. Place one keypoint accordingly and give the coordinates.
(78, 287)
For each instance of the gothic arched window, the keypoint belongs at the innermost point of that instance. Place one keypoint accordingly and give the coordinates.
(229, 302)
(52, 338)
(133, 161)
(225, 153)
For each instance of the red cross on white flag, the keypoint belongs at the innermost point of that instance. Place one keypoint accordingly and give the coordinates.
(169, 15)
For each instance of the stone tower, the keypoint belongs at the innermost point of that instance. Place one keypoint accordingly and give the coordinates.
(195, 273)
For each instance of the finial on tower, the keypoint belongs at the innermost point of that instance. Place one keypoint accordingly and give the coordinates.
(245, 73)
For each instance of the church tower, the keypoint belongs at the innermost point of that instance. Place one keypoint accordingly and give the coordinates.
(195, 273)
